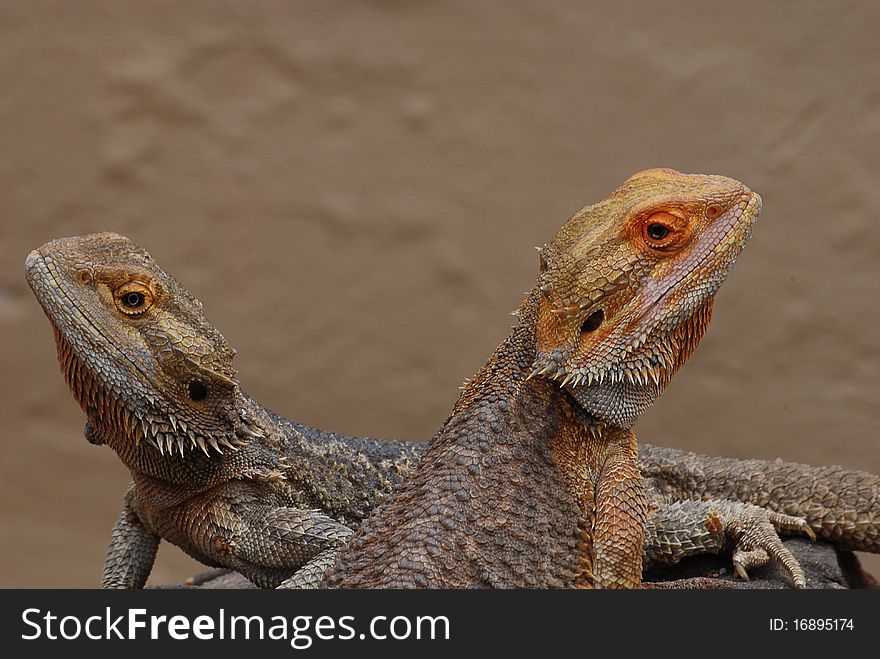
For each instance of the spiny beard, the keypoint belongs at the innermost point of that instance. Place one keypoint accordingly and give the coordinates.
(112, 419)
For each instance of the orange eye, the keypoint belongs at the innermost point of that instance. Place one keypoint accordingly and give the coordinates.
(659, 230)
(713, 211)
(133, 298)
(84, 276)
(664, 231)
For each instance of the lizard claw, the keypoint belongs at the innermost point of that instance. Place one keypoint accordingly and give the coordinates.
(755, 533)
(743, 560)
(791, 524)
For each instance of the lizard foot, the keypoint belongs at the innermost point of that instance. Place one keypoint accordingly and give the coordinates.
(755, 534)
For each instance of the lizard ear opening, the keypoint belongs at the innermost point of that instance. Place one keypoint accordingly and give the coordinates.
(197, 390)
(593, 321)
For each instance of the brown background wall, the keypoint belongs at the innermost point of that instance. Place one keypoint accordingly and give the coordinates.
(353, 189)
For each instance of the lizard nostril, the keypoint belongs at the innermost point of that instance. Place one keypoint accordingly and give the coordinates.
(591, 324)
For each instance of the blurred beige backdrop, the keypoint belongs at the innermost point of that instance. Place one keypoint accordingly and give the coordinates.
(354, 190)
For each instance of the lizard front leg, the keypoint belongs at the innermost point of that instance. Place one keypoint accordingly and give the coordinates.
(841, 506)
(619, 526)
(687, 528)
(281, 537)
(272, 546)
(132, 550)
(602, 475)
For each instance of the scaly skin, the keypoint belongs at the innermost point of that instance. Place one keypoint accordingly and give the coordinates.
(215, 473)
(533, 479)
(841, 506)
(199, 502)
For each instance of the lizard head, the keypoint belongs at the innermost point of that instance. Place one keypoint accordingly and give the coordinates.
(136, 349)
(626, 286)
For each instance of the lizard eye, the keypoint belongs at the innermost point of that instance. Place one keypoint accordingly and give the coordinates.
(133, 299)
(657, 231)
(663, 231)
(713, 211)
(84, 276)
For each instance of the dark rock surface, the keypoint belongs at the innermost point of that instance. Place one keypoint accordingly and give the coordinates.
(825, 567)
